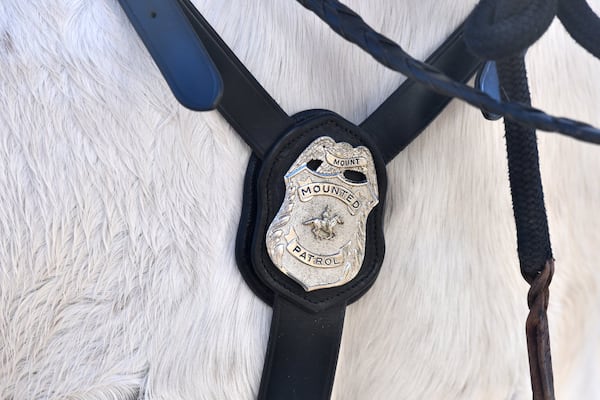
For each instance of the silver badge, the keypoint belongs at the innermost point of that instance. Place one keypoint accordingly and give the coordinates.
(318, 236)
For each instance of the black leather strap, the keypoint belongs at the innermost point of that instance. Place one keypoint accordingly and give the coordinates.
(246, 105)
(180, 56)
(302, 352)
(306, 326)
(306, 332)
(412, 107)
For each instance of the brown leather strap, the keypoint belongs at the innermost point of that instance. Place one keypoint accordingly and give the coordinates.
(538, 337)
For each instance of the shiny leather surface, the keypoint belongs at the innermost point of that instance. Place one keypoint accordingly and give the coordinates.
(176, 50)
(302, 352)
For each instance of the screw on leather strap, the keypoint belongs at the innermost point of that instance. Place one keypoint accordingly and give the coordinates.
(304, 342)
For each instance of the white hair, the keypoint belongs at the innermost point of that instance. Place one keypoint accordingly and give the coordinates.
(119, 208)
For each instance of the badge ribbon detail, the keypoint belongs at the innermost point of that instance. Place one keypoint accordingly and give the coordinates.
(318, 236)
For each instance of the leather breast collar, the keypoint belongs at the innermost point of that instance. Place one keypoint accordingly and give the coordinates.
(310, 178)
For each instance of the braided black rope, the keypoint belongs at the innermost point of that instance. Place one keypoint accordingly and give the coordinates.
(582, 24)
(507, 34)
(499, 30)
(533, 237)
(524, 175)
(351, 26)
(493, 38)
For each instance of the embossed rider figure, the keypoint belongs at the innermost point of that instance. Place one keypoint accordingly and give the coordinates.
(322, 227)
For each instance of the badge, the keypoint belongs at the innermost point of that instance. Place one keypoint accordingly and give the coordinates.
(318, 236)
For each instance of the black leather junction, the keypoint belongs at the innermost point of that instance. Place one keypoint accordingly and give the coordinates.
(306, 327)
(265, 190)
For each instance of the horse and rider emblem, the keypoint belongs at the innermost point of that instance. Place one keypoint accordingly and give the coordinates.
(323, 227)
(318, 236)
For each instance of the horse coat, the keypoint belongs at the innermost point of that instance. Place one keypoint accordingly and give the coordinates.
(118, 212)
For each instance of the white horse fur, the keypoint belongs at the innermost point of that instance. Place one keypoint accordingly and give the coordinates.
(119, 208)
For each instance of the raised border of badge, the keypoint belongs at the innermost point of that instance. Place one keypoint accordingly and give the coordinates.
(318, 236)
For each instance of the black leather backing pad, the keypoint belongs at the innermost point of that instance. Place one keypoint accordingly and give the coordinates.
(243, 241)
(263, 194)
